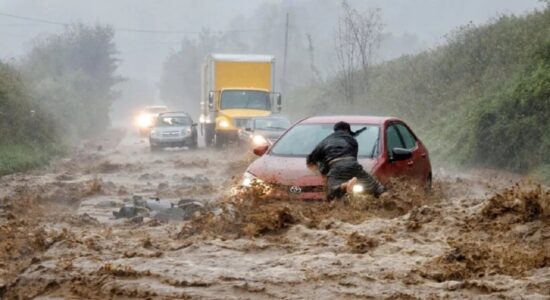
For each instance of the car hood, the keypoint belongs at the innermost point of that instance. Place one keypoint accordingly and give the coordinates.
(170, 128)
(291, 170)
(269, 134)
(244, 113)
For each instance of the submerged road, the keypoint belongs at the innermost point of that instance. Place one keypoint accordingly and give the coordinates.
(477, 236)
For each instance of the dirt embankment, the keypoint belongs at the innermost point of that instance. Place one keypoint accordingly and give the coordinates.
(475, 236)
(509, 235)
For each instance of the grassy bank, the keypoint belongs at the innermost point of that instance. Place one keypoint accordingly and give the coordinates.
(23, 157)
(57, 94)
(28, 138)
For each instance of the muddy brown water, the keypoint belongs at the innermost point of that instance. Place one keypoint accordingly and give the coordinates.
(478, 235)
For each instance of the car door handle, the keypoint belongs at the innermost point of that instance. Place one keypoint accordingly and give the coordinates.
(410, 163)
(423, 155)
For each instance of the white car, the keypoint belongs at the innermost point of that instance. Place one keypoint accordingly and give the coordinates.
(147, 116)
(173, 129)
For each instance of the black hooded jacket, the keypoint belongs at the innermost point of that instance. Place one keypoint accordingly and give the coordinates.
(337, 145)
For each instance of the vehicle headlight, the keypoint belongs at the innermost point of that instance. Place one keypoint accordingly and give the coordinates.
(144, 121)
(249, 179)
(154, 133)
(358, 189)
(259, 140)
(186, 131)
(223, 123)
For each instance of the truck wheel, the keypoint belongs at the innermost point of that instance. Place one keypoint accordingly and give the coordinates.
(219, 140)
(208, 136)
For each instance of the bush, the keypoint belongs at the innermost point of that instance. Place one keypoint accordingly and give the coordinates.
(513, 130)
(27, 135)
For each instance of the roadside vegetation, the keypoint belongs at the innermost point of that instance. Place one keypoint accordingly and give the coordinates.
(57, 94)
(28, 137)
(481, 99)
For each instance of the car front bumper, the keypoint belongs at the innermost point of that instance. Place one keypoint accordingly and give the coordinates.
(171, 141)
(269, 191)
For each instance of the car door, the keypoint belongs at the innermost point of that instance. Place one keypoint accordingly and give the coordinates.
(421, 167)
(393, 139)
(415, 164)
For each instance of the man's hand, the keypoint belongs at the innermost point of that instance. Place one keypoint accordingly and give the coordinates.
(384, 196)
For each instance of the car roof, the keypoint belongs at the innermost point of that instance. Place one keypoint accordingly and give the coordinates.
(156, 106)
(174, 114)
(350, 119)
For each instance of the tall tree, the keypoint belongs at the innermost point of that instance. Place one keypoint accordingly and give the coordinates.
(73, 76)
(180, 84)
(357, 38)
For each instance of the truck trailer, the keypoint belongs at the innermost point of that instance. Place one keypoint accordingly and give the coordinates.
(235, 88)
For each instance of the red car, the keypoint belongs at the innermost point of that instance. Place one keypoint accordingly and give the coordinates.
(387, 148)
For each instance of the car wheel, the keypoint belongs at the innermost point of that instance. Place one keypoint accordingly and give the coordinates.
(194, 144)
(428, 186)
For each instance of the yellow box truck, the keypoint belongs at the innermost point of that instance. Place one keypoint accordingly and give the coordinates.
(235, 88)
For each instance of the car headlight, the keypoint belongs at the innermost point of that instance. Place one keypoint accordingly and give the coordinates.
(358, 189)
(154, 133)
(144, 121)
(259, 140)
(249, 179)
(186, 131)
(223, 123)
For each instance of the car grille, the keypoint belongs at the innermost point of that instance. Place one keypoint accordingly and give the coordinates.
(240, 122)
(171, 133)
(300, 189)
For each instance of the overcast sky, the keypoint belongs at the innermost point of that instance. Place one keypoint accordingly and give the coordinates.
(142, 54)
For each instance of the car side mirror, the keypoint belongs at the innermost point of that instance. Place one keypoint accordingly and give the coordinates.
(401, 154)
(276, 102)
(260, 150)
(211, 95)
(248, 129)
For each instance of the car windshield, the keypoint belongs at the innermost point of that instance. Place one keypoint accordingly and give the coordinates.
(302, 139)
(271, 124)
(173, 121)
(245, 99)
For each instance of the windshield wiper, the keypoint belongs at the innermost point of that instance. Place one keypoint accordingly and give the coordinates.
(275, 127)
(375, 146)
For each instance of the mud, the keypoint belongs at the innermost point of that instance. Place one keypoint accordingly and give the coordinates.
(485, 234)
(509, 235)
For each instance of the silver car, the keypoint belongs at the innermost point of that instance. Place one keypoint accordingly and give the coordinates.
(173, 129)
(264, 130)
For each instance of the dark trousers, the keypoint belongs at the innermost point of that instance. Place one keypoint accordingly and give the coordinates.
(343, 171)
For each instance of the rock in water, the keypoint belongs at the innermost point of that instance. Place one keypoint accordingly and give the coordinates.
(125, 212)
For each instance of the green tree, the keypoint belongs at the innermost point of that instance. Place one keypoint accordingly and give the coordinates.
(73, 75)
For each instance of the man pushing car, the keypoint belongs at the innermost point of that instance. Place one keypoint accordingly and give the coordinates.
(336, 158)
